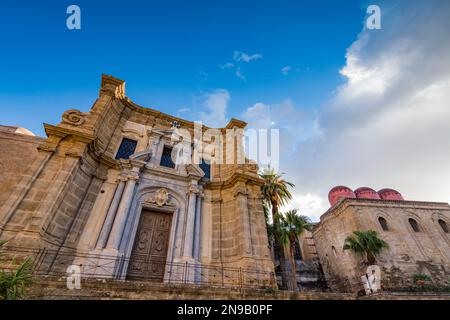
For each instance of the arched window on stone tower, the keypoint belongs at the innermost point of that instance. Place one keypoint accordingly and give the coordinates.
(443, 225)
(414, 225)
(383, 223)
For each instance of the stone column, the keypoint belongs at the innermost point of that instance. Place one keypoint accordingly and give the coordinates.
(190, 224)
(198, 223)
(122, 213)
(242, 204)
(107, 224)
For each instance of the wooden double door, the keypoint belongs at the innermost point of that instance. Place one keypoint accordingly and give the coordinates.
(149, 254)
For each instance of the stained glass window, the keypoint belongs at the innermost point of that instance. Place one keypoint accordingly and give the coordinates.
(126, 149)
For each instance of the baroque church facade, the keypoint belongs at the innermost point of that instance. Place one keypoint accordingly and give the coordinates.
(103, 189)
(102, 192)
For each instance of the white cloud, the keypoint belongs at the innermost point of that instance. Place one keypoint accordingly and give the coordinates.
(389, 123)
(239, 73)
(308, 204)
(265, 116)
(293, 125)
(286, 70)
(242, 56)
(203, 75)
(226, 65)
(183, 110)
(216, 104)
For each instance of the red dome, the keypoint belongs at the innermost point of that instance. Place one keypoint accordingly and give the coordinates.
(390, 194)
(339, 192)
(366, 193)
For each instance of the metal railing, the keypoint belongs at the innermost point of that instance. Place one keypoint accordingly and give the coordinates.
(54, 263)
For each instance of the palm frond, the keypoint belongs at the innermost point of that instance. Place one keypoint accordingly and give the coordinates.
(365, 242)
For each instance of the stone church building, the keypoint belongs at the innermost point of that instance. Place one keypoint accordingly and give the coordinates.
(103, 192)
(417, 232)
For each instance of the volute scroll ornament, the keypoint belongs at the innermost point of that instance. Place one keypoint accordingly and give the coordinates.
(73, 117)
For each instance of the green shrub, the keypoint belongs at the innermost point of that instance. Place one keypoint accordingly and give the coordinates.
(421, 277)
(13, 282)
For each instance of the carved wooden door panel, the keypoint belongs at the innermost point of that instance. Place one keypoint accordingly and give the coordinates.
(149, 254)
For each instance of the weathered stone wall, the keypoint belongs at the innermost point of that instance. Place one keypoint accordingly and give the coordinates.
(55, 288)
(17, 153)
(427, 251)
(307, 246)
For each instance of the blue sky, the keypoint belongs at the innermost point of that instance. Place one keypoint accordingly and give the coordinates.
(170, 53)
(355, 107)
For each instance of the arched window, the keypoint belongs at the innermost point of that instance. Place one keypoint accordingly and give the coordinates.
(414, 225)
(383, 223)
(443, 225)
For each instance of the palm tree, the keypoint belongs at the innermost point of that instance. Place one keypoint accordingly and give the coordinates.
(366, 243)
(275, 191)
(269, 225)
(291, 227)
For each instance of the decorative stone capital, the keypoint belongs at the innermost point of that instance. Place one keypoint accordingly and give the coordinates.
(112, 87)
(133, 176)
(126, 175)
(137, 164)
(121, 178)
(193, 189)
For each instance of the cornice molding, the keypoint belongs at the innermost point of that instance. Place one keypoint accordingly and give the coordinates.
(236, 177)
(62, 132)
(405, 204)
